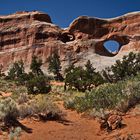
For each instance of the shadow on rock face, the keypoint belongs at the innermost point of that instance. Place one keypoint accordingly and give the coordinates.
(67, 37)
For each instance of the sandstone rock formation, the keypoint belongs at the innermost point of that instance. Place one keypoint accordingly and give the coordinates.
(24, 34)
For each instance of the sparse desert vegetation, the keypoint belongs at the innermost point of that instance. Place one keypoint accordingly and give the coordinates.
(97, 95)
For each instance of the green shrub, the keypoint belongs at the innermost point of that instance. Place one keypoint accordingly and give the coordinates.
(120, 96)
(129, 66)
(69, 103)
(38, 105)
(15, 133)
(104, 96)
(55, 66)
(35, 81)
(82, 79)
(17, 73)
(23, 98)
(36, 66)
(8, 107)
(38, 84)
(132, 91)
(101, 113)
(25, 110)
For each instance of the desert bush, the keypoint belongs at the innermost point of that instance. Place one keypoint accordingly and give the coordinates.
(69, 103)
(132, 91)
(25, 110)
(23, 98)
(8, 108)
(44, 104)
(101, 114)
(8, 86)
(38, 105)
(105, 96)
(15, 133)
(17, 91)
(120, 96)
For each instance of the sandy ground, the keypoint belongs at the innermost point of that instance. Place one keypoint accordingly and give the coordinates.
(76, 127)
(79, 128)
(57, 83)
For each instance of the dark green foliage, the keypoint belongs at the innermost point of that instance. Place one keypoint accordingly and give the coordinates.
(17, 72)
(76, 78)
(82, 79)
(122, 93)
(55, 66)
(38, 84)
(120, 96)
(8, 110)
(93, 77)
(127, 67)
(36, 66)
(106, 96)
(35, 81)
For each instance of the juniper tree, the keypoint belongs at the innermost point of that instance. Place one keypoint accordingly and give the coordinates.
(82, 78)
(37, 81)
(55, 65)
(93, 77)
(38, 84)
(17, 72)
(36, 66)
(127, 67)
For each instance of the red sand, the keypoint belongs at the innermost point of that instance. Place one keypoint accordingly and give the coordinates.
(78, 128)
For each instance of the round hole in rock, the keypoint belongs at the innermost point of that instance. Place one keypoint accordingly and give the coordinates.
(112, 46)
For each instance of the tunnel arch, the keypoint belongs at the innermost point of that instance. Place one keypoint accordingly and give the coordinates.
(112, 46)
(102, 50)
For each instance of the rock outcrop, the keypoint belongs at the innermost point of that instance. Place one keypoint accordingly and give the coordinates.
(24, 34)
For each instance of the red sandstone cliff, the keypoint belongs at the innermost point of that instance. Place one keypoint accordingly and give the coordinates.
(26, 33)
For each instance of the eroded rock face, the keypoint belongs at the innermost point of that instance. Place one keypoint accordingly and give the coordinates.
(24, 34)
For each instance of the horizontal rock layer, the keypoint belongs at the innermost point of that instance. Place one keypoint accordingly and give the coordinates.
(24, 34)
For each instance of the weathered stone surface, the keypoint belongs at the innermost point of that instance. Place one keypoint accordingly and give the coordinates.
(26, 33)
